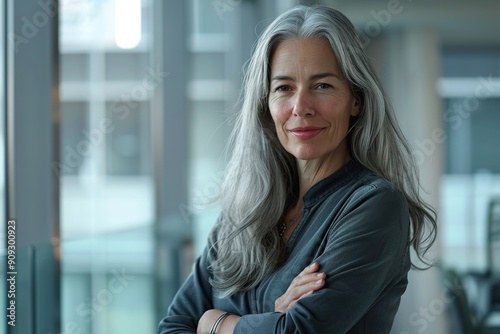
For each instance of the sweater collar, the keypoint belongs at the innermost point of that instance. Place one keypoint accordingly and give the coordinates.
(332, 182)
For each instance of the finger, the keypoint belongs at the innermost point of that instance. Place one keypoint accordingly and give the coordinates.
(306, 279)
(309, 269)
(312, 268)
(310, 292)
(291, 304)
(294, 293)
(302, 292)
(297, 291)
(312, 287)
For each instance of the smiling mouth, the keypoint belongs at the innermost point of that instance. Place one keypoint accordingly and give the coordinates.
(306, 132)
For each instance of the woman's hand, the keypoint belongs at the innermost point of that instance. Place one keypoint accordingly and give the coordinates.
(308, 281)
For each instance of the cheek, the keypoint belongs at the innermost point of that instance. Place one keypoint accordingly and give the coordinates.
(279, 120)
(278, 114)
(342, 124)
(337, 113)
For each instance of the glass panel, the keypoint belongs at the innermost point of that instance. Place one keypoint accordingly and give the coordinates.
(107, 285)
(472, 164)
(208, 15)
(470, 63)
(106, 178)
(212, 91)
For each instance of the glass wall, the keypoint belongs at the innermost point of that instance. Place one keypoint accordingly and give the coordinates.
(469, 86)
(211, 95)
(105, 107)
(107, 207)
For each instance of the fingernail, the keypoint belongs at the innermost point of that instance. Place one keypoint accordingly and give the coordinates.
(319, 274)
(318, 282)
(312, 265)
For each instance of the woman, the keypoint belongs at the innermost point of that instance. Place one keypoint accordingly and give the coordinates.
(320, 178)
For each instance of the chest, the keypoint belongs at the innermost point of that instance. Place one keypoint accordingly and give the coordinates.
(303, 250)
(306, 242)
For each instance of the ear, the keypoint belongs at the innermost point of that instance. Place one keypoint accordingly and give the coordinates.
(356, 107)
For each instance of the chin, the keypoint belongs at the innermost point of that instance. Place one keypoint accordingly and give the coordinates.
(306, 155)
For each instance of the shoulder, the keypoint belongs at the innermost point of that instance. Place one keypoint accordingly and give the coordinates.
(372, 222)
(357, 191)
(372, 189)
(373, 204)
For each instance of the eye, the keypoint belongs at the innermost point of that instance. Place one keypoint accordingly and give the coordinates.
(282, 88)
(324, 86)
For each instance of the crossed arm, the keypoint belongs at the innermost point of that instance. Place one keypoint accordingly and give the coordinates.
(304, 284)
(364, 264)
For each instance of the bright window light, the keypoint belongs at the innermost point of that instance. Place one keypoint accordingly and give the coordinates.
(127, 23)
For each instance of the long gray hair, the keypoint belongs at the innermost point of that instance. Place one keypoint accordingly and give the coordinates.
(261, 179)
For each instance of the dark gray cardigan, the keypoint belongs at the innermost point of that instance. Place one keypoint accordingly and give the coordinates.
(356, 225)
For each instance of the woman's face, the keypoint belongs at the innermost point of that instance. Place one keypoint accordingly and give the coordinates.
(309, 100)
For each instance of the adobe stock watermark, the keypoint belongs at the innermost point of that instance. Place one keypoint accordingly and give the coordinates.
(72, 157)
(31, 26)
(223, 6)
(454, 115)
(89, 309)
(381, 19)
(205, 197)
(421, 319)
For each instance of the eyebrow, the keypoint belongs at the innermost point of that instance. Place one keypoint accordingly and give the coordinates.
(312, 77)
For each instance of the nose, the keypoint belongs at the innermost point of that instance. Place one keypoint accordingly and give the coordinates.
(303, 104)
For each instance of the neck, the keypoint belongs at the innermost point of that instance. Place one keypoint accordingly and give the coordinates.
(313, 171)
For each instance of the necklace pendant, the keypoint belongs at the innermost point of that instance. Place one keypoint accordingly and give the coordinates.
(283, 225)
(282, 229)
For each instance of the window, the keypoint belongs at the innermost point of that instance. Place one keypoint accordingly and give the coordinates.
(469, 87)
(107, 201)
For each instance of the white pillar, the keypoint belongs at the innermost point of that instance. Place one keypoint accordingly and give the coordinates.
(408, 63)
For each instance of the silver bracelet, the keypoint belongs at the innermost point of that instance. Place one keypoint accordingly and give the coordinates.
(217, 322)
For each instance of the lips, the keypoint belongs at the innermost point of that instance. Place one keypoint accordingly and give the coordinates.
(307, 132)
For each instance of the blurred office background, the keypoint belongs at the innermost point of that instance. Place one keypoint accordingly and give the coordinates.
(115, 116)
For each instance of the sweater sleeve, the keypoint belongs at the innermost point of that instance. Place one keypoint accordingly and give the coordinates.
(191, 301)
(364, 257)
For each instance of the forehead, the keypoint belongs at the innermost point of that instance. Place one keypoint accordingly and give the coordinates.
(304, 55)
